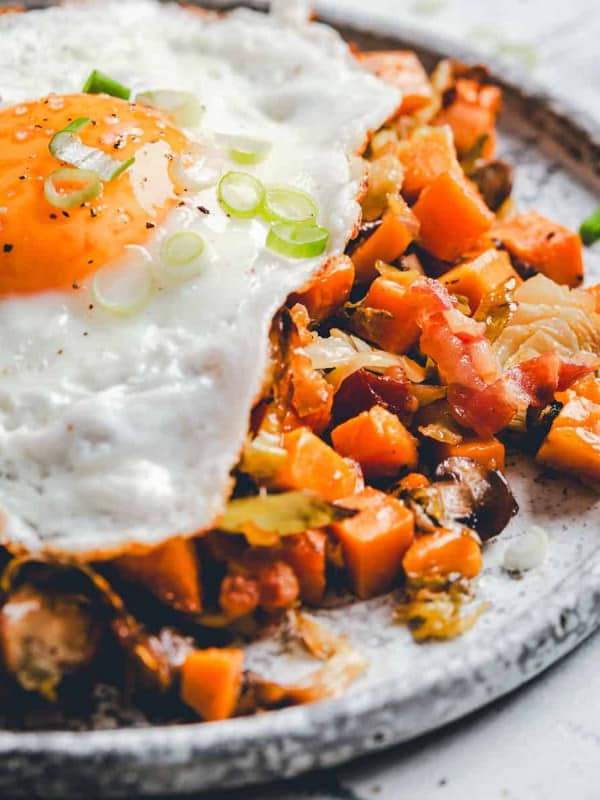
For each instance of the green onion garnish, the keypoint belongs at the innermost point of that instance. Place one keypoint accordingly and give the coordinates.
(123, 291)
(284, 204)
(297, 241)
(67, 146)
(185, 108)
(240, 194)
(590, 228)
(99, 83)
(245, 149)
(85, 185)
(180, 252)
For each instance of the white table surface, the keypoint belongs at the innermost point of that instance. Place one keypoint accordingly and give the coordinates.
(543, 742)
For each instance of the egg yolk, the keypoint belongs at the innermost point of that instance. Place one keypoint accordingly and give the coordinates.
(43, 247)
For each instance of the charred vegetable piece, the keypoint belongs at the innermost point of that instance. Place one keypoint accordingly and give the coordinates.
(280, 514)
(364, 389)
(495, 182)
(548, 247)
(492, 504)
(46, 636)
(171, 573)
(539, 422)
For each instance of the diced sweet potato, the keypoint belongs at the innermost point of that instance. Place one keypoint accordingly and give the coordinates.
(313, 465)
(472, 116)
(374, 541)
(443, 553)
(399, 332)
(388, 242)
(425, 156)
(488, 452)
(211, 681)
(378, 441)
(171, 573)
(306, 555)
(401, 68)
(546, 246)
(573, 442)
(452, 215)
(328, 290)
(480, 276)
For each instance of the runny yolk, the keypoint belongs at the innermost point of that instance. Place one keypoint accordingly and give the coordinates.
(43, 247)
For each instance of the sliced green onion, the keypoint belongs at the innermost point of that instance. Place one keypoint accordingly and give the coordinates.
(67, 146)
(245, 149)
(297, 241)
(185, 108)
(284, 204)
(87, 183)
(180, 256)
(590, 228)
(99, 83)
(125, 290)
(197, 171)
(241, 194)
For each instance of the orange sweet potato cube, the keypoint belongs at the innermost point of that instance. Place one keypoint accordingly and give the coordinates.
(314, 466)
(400, 331)
(548, 247)
(452, 215)
(378, 441)
(374, 541)
(487, 452)
(389, 241)
(211, 681)
(328, 290)
(480, 276)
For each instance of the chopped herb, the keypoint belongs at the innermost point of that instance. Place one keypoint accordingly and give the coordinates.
(99, 83)
(590, 228)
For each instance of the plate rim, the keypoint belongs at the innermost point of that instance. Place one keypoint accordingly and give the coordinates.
(549, 634)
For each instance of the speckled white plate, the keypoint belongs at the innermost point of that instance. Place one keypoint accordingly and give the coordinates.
(408, 689)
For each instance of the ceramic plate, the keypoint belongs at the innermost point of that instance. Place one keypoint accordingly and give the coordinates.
(409, 689)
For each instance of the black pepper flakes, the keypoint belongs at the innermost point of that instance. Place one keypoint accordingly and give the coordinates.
(53, 216)
(93, 213)
(7, 248)
(203, 210)
(150, 225)
(65, 214)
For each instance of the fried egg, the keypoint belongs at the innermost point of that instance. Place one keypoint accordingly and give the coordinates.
(121, 420)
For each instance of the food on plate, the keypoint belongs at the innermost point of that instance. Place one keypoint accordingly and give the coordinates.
(270, 319)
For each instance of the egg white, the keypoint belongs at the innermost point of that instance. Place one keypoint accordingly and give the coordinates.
(121, 432)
